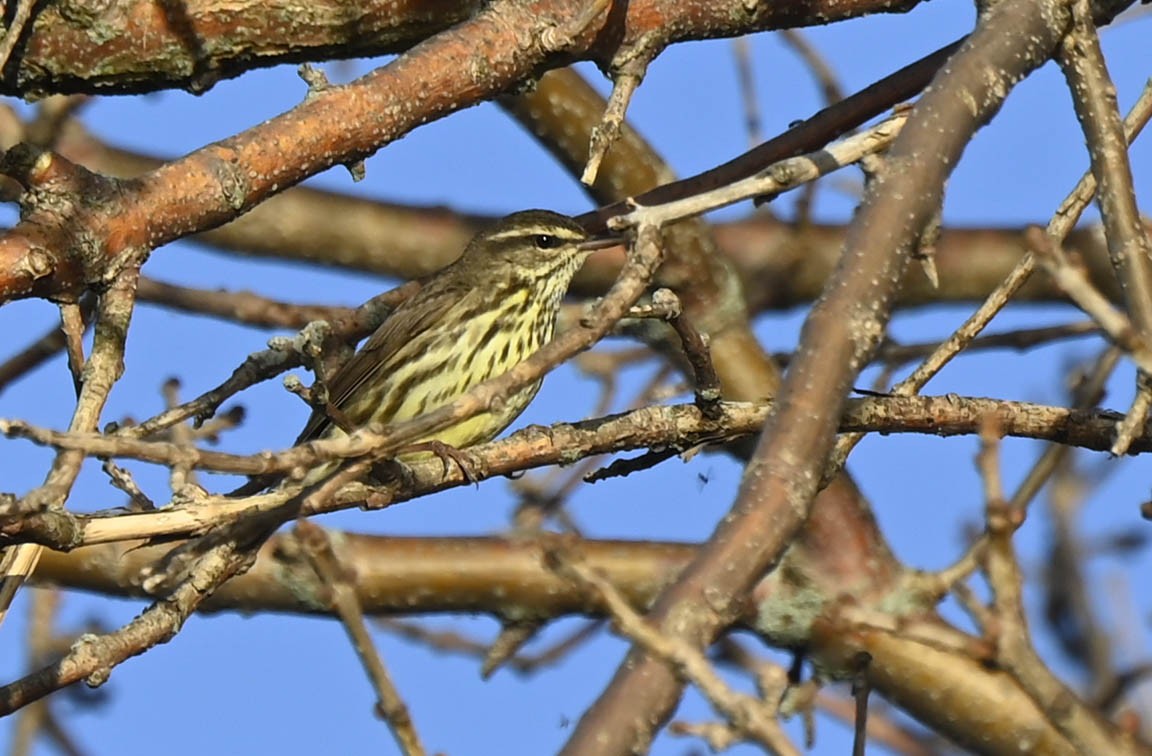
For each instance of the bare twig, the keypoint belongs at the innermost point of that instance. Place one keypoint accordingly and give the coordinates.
(1014, 651)
(1094, 96)
(521, 663)
(860, 690)
(100, 372)
(774, 179)
(1087, 394)
(677, 426)
(93, 657)
(238, 306)
(1061, 224)
(34, 720)
(892, 354)
(1088, 298)
(695, 345)
(181, 473)
(625, 81)
(318, 547)
(745, 77)
(15, 30)
(830, 86)
(751, 718)
(41, 349)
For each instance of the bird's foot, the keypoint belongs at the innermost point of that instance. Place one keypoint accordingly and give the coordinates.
(446, 453)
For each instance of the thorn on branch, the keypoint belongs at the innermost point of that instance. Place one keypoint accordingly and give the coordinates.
(925, 252)
(513, 637)
(357, 170)
(73, 324)
(315, 78)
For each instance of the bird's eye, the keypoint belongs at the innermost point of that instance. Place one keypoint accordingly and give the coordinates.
(546, 241)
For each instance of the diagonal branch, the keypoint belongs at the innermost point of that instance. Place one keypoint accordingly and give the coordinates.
(1010, 40)
(468, 63)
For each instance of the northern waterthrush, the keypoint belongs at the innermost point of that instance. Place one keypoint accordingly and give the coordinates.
(474, 320)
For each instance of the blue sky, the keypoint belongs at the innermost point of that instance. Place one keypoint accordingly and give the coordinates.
(243, 684)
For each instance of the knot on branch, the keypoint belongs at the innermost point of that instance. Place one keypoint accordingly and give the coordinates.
(64, 243)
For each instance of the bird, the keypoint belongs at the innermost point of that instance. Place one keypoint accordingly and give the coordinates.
(475, 319)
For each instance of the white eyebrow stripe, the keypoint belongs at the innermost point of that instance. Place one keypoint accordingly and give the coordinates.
(520, 233)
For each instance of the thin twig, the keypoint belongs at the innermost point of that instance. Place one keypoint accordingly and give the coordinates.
(774, 179)
(1088, 298)
(656, 426)
(750, 717)
(317, 546)
(33, 720)
(628, 68)
(101, 371)
(861, 687)
(830, 87)
(1094, 97)
(41, 349)
(93, 657)
(181, 474)
(269, 363)
(1088, 393)
(1062, 222)
(15, 29)
(695, 345)
(745, 78)
(237, 306)
(1084, 729)
(895, 355)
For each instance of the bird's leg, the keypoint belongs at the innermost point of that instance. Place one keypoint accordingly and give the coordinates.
(446, 453)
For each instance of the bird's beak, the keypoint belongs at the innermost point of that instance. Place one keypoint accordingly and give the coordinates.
(591, 245)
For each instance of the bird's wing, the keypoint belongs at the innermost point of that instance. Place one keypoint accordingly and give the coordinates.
(417, 314)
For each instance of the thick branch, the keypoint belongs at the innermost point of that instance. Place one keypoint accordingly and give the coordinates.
(338, 125)
(145, 46)
(781, 481)
(677, 427)
(780, 265)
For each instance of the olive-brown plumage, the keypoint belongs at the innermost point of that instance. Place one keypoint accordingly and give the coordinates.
(474, 320)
